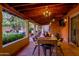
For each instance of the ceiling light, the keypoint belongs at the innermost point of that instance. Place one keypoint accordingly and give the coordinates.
(46, 13)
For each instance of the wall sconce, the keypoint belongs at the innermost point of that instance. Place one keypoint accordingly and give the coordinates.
(65, 20)
(50, 23)
(53, 20)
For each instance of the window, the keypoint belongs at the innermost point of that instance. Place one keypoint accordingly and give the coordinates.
(14, 28)
(45, 28)
(75, 29)
(31, 27)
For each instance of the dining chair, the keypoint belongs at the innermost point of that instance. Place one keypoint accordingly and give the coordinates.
(35, 44)
(48, 42)
(47, 47)
(60, 40)
(59, 45)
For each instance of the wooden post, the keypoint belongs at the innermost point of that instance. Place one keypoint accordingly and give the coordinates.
(1, 50)
(68, 29)
(0, 26)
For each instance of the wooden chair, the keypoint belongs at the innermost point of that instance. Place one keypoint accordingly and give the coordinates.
(47, 47)
(35, 44)
(60, 40)
(59, 45)
(44, 41)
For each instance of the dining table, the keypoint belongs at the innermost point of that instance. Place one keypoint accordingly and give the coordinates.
(47, 40)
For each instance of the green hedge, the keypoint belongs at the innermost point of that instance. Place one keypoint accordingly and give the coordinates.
(11, 38)
(5, 40)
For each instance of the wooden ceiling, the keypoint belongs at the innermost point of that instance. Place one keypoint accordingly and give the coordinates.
(34, 11)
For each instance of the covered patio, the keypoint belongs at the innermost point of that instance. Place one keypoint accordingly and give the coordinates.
(22, 24)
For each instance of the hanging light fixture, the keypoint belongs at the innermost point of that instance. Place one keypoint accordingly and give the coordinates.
(46, 13)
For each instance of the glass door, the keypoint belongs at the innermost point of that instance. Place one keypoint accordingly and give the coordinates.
(73, 30)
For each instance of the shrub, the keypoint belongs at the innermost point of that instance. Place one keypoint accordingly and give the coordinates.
(5, 41)
(12, 38)
(19, 36)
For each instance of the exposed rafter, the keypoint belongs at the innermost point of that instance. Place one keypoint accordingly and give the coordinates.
(21, 5)
(35, 10)
(31, 7)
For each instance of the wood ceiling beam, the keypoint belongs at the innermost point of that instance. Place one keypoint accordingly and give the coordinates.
(40, 11)
(36, 7)
(51, 8)
(35, 11)
(21, 5)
